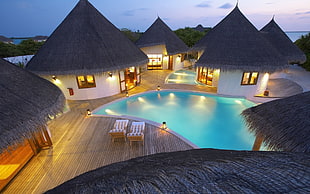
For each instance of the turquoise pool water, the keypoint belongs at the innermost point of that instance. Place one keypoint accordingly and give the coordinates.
(207, 121)
(182, 77)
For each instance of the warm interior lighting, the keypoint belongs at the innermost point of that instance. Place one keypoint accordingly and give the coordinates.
(110, 74)
(88, 112)
(164, 126)
(158, 88)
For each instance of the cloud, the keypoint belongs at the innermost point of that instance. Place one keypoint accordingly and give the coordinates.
(303, 13)
(204, 4)
(133, 12)
(226, 6)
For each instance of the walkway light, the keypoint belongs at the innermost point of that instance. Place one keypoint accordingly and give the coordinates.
(164, 126)
(127, 95)
(158, 88)
(88, 112)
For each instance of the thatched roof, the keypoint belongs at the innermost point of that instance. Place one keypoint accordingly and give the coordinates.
(86, 42)
(26, 101)
(199, 171)
(284, 123)
(160, 34)
(282, 42)
(235, 43)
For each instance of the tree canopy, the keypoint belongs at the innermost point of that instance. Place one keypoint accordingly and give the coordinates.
(26, 47)
(189, 35)
(304, 44)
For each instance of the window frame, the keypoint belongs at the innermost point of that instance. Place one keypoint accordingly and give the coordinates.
(250, 78)
(87, 85)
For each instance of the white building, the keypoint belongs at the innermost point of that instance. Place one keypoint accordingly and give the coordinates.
(87, 57)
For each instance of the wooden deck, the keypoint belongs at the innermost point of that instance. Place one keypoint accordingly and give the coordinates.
(82, 144)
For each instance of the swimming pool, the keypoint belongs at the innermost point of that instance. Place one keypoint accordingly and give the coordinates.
(182, 77)
(207, 121)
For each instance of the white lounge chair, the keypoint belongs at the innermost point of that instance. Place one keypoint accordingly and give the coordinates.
(119, 129)
(136, 132)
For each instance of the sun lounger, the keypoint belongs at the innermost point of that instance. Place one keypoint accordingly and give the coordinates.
(119, 129)
(136, 132)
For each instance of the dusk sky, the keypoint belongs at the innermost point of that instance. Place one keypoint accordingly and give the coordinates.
(20, 18)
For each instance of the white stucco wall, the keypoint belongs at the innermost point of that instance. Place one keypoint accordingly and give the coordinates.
(105, 86)
(229, 83)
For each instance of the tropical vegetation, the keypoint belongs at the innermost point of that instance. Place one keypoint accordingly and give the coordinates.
(304, 44)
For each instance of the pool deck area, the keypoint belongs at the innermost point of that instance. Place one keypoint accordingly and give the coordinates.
(81, 143)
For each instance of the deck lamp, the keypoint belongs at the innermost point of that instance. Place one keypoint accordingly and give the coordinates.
(88, 112)
(158, 88)
(54, 77)
(127, 95)
(164, 126)
(110, 74)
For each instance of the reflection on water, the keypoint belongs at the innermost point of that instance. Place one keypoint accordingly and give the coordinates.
(206, 120)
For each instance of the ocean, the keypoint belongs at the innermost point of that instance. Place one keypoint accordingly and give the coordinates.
(296, 35)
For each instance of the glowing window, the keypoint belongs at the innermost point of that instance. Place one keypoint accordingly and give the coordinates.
(249, 78)
(86, 81)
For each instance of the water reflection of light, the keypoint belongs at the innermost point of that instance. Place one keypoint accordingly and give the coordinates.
(172, 95)
(140, 99)
(109, 111)
(238, 101)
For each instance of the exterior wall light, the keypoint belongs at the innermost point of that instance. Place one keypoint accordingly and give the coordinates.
(110, 74)
(127, 95)
(54, 77)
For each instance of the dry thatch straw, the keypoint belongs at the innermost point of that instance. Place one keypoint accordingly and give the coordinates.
(85, 43)
(282, 42)
(160, 34)
(199, 171)
(235, 43)
(26, 102)
(284, 124)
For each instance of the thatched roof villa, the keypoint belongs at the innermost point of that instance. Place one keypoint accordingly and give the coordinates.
(282, 124)
(283, 43)
(88, 57)
(235, 58)
(26, 103)
(199, 171)
(163, 47)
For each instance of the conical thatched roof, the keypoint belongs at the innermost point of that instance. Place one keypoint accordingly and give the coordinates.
(199, 171)
(284, 123)
(160, 34)
(283, 43)
(26, 101)
(86, 42)
(235, 43)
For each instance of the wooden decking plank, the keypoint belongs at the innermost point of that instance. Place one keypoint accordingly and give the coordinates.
(81, 144)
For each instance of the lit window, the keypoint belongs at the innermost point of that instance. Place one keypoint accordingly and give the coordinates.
(86, 81)
(249, 78)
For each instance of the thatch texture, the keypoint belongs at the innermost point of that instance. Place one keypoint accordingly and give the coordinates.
(26, 101)
(199, 171)
(283, 43)
(235, 44)
(85, 43)
(284, 124)
(160, 34)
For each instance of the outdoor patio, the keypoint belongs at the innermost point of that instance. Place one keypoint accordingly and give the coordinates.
(82, 144)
